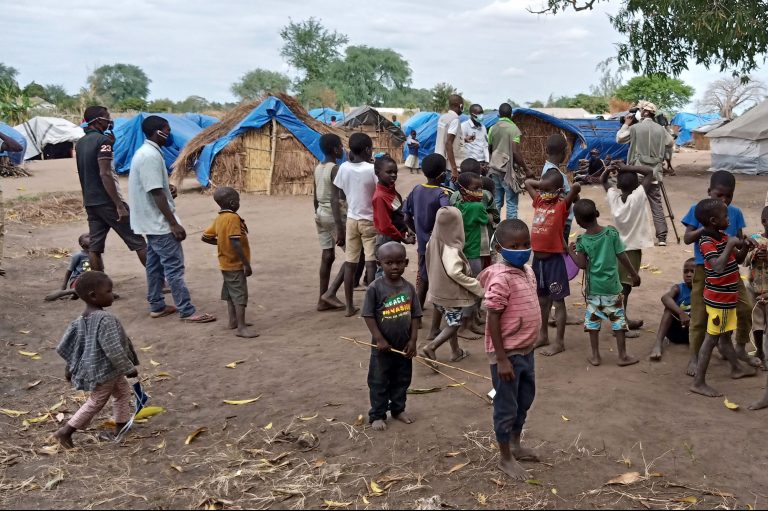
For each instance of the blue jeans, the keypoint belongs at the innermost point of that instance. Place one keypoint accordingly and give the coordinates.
(448, 183)
(502, 189)
(513, 398)
(165, 262)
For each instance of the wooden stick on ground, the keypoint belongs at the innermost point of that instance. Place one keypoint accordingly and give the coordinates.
(437, 362)
(454, 380)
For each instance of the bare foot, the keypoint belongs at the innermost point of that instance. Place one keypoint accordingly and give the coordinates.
(245, 333)
(430, 355)
(743, 372)
(65, 440)
(403, 417)
(524, 454)
(627, 361)
(554, 350)
(513, 470)
(351, 312)
(469, 335)
(631, 334)
(691, 369)
(328, 303)
(759, 405)
(634, 324)
(379, 425)
(595, 360)
(655, 355)
(233, 326)
(541, 342)
(705, 390)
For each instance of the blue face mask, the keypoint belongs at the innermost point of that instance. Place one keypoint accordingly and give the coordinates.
(516, 258)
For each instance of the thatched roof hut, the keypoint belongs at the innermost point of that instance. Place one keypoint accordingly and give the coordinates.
(386, 137)
(536, 128)
(274, 156)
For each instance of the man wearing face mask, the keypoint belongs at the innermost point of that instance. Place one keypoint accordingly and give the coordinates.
(648, 143)
(102, 199)
(450, 140)
(154, 215)
(476, 137)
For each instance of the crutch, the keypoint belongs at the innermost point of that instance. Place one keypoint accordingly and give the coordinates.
(671, 214)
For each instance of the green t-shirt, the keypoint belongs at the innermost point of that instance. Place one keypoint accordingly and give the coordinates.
(475, 218)
(603, 267)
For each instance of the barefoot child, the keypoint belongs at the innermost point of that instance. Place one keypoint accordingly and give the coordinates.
(722, 255)
(391, 312)
(452, 288)
(757, 261)
(550, 214)
(599, 251)
(325, 212)
(514, 321)
(99, 357)
(230, 235)
(388, 216)
(676, 316)
(412, 162)
(78, 265)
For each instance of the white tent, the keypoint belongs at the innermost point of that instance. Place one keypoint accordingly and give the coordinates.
(741, 146)
(41, 131)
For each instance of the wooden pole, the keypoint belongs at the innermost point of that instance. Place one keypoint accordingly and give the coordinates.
(454, 380)
(272, 159)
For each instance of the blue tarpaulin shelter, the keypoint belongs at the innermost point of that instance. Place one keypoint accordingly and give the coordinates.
(324, 115)
(596, 134)
(201, 120)
(18, 157)
(129, 137)
(689, 122)
(425, 124)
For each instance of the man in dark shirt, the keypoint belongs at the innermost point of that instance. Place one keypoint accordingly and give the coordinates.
(102, 199)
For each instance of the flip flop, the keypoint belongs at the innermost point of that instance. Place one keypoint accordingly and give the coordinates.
(169, 309)
(199, 318)
(464, 354)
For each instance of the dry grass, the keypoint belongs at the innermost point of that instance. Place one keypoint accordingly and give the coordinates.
(47, 209)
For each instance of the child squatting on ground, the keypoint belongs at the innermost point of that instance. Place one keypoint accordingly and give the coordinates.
(513, 324)
(78, 264)
(99, 357)
(391, 311)
(230, 235)
(599, 251)
(676, 318)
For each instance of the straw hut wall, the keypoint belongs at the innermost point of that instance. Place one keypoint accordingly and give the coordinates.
(700, 141)
(382, 141)
(535, 133)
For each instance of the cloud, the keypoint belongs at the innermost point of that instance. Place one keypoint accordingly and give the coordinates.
(513, 72)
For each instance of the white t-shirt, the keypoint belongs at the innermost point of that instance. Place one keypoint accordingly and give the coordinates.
(475, 141)
(449, 123)
(148, 173)
(631, 218)
(358, 181)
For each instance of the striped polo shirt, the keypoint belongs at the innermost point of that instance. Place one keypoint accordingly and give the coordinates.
(721, 290)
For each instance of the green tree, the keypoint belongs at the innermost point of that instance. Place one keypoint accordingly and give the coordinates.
(119, 82)
(192, 104)
(666, 93)
(440, 94)
(367, 75)
(593, 104)
(55, 94)
(316, 94)
(409, 98)
(663, 36)
(14, 103)
(131, 104)
(310, 47)
(8, 73)
(258, 82)
(610, 78)
(511, 102)
(161, 105)
(535, 104)
(34, 89)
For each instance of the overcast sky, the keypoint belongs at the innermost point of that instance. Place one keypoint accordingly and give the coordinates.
(489, 50)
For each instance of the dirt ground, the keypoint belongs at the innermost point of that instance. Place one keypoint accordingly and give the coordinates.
(590, 424)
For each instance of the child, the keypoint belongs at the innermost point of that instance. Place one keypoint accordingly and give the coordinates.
(452, 288)
(721, 186)
(388, 216)
(757, 261)
(494, 217)
(599, 251)
(722, 255)
(677, 308)
(357, 180)
(99, 357)
(412, 162)
(78, 265)
(629, 207)
(391, 311)
(514, 321)
(326, 210)
(557, 148)
(550, 213)
(230, 235)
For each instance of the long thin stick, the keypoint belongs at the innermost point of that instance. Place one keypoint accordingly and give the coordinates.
(420, 357)
(454, 380)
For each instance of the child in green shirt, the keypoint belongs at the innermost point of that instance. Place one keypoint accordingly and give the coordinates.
(599, 251)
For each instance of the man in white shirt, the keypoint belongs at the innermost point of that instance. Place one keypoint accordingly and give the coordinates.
(357, 180)
(476, 137)
(450, 140)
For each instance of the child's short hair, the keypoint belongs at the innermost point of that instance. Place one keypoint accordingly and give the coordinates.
(467, 178)
(434, 165)
(329, 142)
(470, 165)
(708, 208)
(489, 185)
(152, 124)
(691, 260)
(553, 176)
(627, 181)
(359, 142)
(585, 210)
(764, 213)
(90, 281)
(84, 240)
(94, 112)
(223, 195)
(382, 161)
(510, 227)
(722, 178)
(556, 144)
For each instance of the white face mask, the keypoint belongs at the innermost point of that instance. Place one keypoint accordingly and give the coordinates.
(638, 116)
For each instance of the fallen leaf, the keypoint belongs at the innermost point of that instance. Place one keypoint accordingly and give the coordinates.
(579, 304)
(749, 506)
(626, 478)
(655, 474)
(645, 266)
(717, 493)
(33, 384)
(554, 491)
(177, 468)
(55, 481)
(332, 504)
(456, 468)
(657, 272)
(50, 450)
(149, 411)
(452, 454)
(241, 401)
(375, 488)
(729, 405)
(305, 419)
(159, 446)
(359, 420)
(162, 374)
(481, 499)
(330, 419)
(533, 482)
(155, 364)
(319, 463)
(35, 420)
(424, 391)
(687, 500)
(232, 365)
(28, 353)
(57, 406)
(268, 426)
(146, 348)
(194, 435)
(16, 413)
(36, 357)
(566, 419)
(25, 332)
(366, 501)
(332, 404)
(59, 417)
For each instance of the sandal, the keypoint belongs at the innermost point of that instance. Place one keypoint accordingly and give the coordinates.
(199, 318)
(169, 309)
(464, 354)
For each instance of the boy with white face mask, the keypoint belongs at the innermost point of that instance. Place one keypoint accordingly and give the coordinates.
(476, 137)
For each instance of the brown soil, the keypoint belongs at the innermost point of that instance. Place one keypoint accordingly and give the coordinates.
(591, 424)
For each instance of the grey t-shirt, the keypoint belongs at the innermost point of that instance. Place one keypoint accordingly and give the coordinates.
(394, 307)
(148, 173)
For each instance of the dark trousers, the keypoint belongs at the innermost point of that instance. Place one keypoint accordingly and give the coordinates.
(389, 376)
(513, 398)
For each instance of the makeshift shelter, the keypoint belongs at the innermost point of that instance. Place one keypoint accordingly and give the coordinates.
(324, 115)
(596, 134)
(425, 124)
(16, 158)
(700, 140)
(129, 137)
(201, 120)
(270, 146)
(49, 137)
(741, 146)
(387, 138)
(687, 122)
(536, 127)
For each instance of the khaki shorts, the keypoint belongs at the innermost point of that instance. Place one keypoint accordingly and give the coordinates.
(361, 236)
(326, 232)
(759, 316)
(235, 287)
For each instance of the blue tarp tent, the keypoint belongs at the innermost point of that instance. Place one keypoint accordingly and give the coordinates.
(688, 123)
(425, 124)
(324, 115)
(16, 158)
(270, 108)
(596, 134)
(129, 137)
(201, 120)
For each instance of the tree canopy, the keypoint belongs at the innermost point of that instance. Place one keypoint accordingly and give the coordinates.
(367, 75)
(440, 94)
(727, 94)
(119, 82)
(8, 73)
(258, 82)
(666, 93)
(310, 47)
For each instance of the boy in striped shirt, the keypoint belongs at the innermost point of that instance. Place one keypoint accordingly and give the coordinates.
(722, 256)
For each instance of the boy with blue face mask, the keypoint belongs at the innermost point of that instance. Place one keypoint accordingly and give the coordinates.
(511, 330)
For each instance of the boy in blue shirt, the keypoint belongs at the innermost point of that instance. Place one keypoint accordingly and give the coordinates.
(677, 309)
